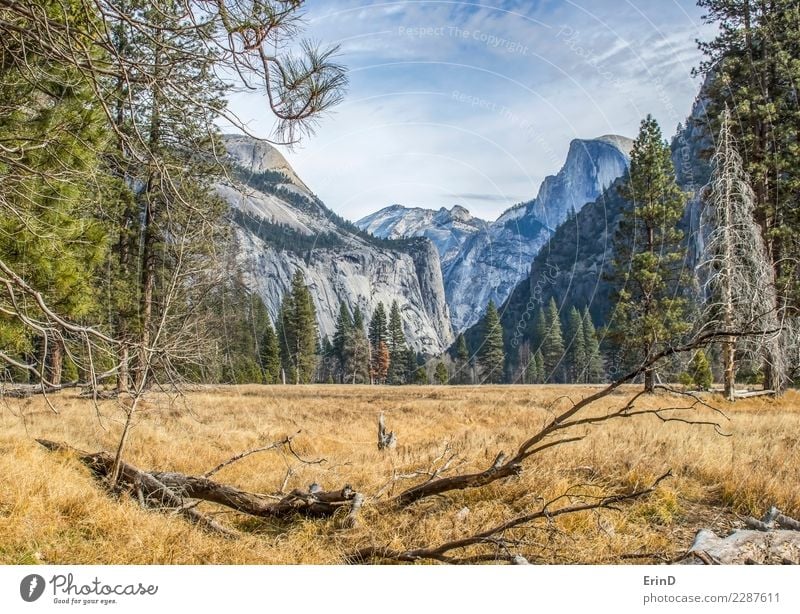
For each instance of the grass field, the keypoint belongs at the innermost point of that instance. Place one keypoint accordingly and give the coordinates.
(53, 511)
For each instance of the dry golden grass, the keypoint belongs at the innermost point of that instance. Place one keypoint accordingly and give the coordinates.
(52, 510)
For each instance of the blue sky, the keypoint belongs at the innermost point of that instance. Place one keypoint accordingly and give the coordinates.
(474, 103)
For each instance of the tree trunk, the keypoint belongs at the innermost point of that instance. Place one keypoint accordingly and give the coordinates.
(56, 362)
(122, 374)
(649, 380)
(729, 375)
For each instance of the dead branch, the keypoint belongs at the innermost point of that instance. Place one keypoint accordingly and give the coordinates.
(492, 536)
(278, 444)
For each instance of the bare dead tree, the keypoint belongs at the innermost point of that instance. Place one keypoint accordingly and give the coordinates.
(739, 280)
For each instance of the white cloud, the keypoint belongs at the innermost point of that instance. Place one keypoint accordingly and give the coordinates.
(454, 99)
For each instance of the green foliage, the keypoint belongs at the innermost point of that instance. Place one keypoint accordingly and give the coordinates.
(594, 359)
(298, 335)
(270, 355)
(700, 371)
(576, 352)
(492, 354)
(52, 133)
(421, 376)
(553, 346)
(378, 327)
(398, 374)
(650, 311)
(441, 375)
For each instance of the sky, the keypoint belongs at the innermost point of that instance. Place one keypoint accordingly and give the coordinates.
(474, 103)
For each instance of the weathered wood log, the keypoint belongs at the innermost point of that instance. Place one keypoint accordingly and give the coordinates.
(305, 503)
(24, 391)
(774, 539)
(762, 547)
(172, 490)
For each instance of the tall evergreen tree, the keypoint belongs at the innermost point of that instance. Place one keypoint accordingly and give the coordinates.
(270, 355)
(754, 66)
(299, 328)
(397, 347)
(441, 375)
(594, 359)
(539, 329)
(343, 341)
(553, 345)
(462, 360)
(650, 313)
(378, 340)
(358, 369)
(378, 327)
(492, 354)
(576, 354)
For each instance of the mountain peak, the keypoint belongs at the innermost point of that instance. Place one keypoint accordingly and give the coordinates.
(259, 156)
(623, 143)
(460, 213)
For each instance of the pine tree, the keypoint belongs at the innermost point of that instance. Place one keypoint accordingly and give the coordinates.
(462, 360)
(421, 376)
(397, 347)
(270, 355)
(700, 371)
(378, 338)
(53, 136)
(539, 329)
(380, 363)
(359, 351)
(441, 375)
(492, 354)
(538, 359)
(532, 373)
(650, 313)
(576, 355)
(378, 327)
(553, 345)
(594, 360)
(299, 328)
(343, 341)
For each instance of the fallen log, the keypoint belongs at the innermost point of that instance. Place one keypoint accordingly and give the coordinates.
(146, 489)
(317, 504)
(25, 391)
(174, 490)
(772, 540)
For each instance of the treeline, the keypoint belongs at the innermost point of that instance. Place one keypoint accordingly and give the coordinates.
(291, 350)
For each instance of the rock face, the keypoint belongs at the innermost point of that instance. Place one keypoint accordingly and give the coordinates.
(484, 261)
(282, 227)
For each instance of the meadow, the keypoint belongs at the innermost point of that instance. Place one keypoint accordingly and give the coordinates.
(53, 511)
